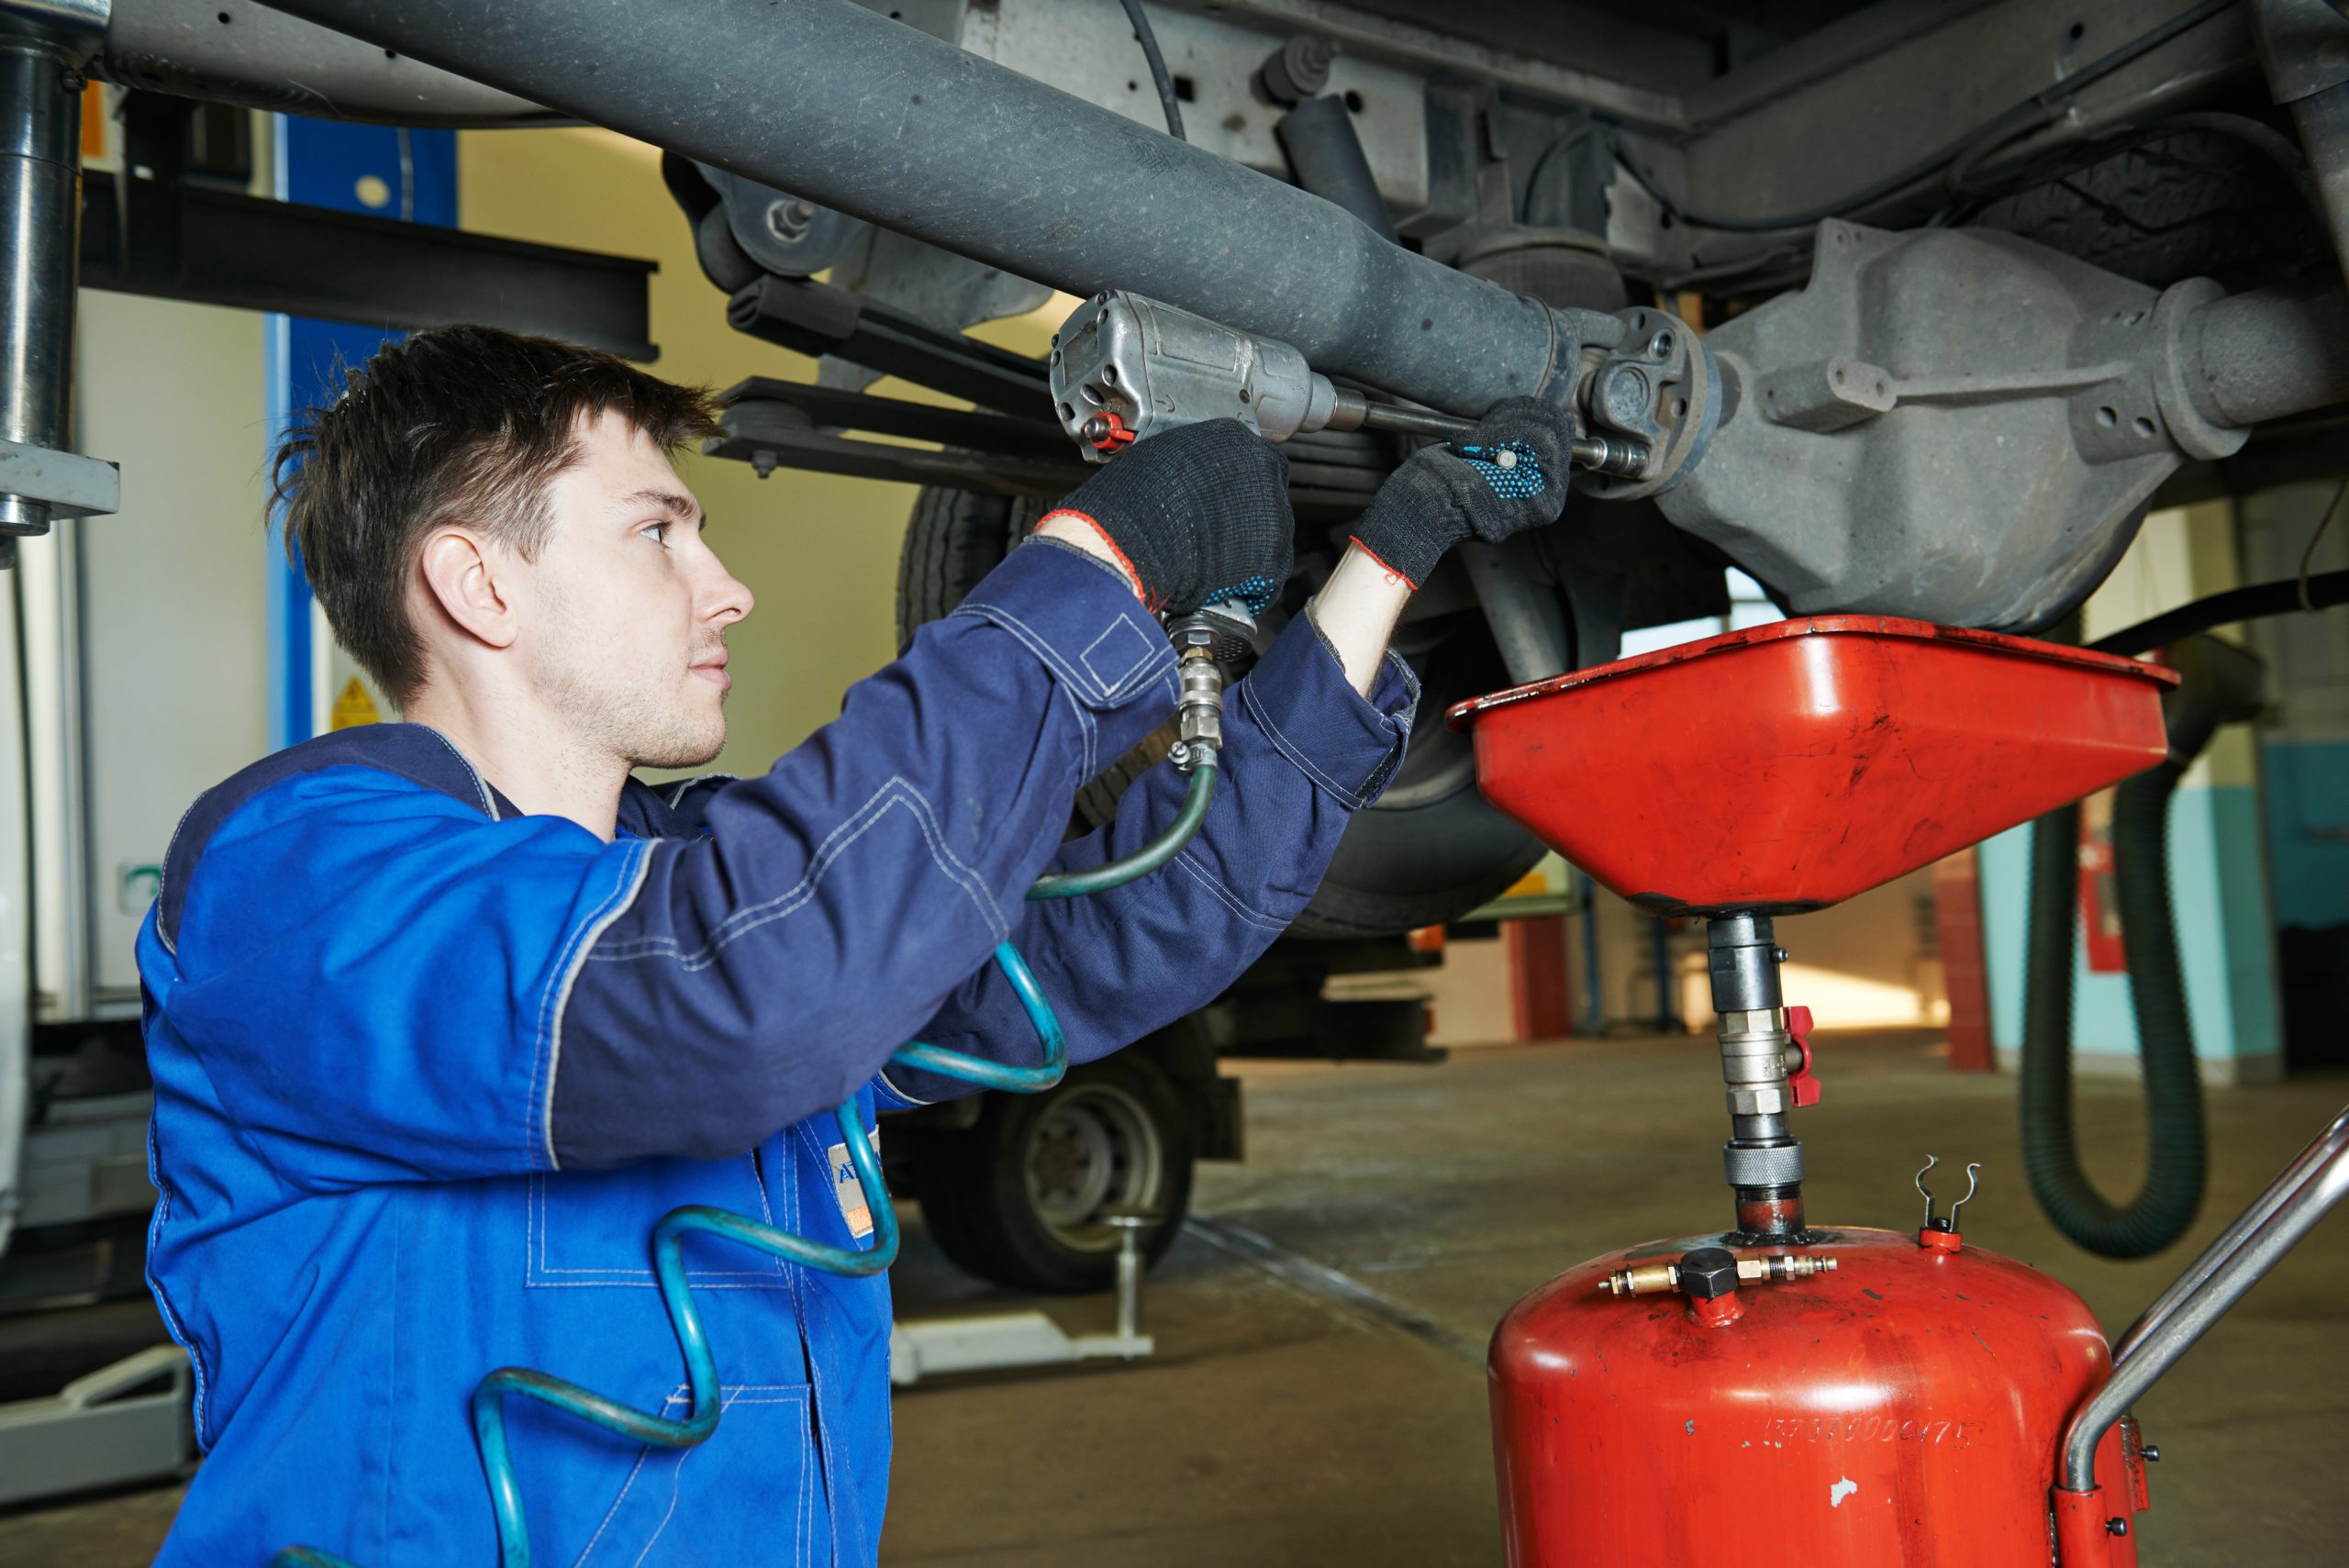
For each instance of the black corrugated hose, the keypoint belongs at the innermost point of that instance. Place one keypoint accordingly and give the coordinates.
(2221, 684)
(2176, 1158)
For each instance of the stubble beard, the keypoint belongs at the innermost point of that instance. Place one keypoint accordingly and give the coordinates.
(648, 722)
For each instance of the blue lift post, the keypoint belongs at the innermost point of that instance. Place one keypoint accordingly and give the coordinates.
(383, 171)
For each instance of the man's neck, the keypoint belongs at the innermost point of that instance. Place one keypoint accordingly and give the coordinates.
(533, 762)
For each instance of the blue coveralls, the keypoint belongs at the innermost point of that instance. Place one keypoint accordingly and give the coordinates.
(427, 1070)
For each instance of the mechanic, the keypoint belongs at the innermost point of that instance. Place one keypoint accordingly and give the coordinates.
(444, 1015)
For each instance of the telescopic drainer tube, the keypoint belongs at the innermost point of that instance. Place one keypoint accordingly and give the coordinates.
(2242, 1255)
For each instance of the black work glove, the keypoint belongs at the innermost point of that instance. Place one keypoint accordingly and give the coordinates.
(1199, 513)
(1505, 476)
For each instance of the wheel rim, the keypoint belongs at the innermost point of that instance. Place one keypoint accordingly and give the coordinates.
(1093, 1151)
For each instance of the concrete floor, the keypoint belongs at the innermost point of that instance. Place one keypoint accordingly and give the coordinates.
(1281, 1425)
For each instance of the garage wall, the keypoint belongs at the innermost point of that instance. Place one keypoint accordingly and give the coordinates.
(2218, 864)
(2304, 751)
(173, 669)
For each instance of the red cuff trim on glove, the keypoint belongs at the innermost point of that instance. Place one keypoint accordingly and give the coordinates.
(1357, 541)
(1132, 577)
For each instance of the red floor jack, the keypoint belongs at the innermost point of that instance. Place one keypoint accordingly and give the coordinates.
(1781, 1393)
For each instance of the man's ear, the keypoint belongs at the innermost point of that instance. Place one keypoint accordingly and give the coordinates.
(462, 574)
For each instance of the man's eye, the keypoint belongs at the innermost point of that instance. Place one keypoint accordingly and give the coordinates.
(659, 532)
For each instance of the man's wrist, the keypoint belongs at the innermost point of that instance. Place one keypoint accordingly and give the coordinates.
(1076, 529)
(1356, 611)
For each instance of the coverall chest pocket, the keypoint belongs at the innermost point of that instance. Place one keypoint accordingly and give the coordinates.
(594, 1228)
(749, 1494)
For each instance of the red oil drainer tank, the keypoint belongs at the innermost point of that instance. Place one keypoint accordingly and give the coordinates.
(1899, 1409)
(1781, 1396)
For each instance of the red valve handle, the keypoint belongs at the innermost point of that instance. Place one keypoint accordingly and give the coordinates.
(1805, 1086)
(1114, 434)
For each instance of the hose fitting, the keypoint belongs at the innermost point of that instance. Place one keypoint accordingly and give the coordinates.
(1205, 642)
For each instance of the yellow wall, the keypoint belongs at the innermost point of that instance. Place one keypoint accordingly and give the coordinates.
(2181, 554)
(821, 552)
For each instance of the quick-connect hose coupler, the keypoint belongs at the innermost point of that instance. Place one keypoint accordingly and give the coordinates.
(1198, 717)
(1204, 642)
(1662, 1275)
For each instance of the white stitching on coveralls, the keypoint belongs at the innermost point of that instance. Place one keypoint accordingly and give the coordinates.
(1288, 749)
(1037, 643)
(1122, 624)
(636, 862)
(1226, 897)
(896, 792)
(727, 1399)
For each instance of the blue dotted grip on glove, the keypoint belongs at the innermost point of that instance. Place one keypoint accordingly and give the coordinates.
(1519, 478)
(1253, 592)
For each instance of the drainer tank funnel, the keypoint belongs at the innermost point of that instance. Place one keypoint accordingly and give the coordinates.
(1786, 767)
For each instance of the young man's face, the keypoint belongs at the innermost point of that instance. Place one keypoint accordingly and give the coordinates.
(627, 605)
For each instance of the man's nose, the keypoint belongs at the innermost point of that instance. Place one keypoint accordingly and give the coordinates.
(724, 599)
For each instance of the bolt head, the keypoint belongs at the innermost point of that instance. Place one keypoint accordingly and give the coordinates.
(790, 221)
(1708, 1272)
(1624, 396)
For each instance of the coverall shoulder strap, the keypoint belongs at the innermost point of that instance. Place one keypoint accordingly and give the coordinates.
(415, 753)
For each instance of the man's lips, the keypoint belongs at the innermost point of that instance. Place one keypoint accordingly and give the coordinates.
(714, 672)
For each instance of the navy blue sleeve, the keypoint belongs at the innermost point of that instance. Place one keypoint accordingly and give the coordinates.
(764, 970)
(1302, 752)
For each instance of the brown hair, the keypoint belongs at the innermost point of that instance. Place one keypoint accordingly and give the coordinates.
(457, 424)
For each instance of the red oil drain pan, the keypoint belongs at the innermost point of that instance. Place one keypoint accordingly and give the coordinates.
(1788, 766)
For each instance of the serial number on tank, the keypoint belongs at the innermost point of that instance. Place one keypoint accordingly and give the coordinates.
(1779, 1430)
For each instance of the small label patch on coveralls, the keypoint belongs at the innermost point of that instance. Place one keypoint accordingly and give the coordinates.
(848, 1191)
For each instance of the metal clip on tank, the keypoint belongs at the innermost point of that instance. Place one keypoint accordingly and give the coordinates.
(1941, 1234)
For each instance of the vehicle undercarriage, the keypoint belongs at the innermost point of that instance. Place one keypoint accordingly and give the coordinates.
(1973, 284)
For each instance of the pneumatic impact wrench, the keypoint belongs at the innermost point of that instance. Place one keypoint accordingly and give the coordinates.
(1124, 367)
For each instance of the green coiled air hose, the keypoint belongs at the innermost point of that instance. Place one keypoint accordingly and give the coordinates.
(701, 1367)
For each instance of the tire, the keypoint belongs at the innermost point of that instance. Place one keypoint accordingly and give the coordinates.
(953, 538)
(1427, 853)
(1020, 1197)
(2189, 204)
